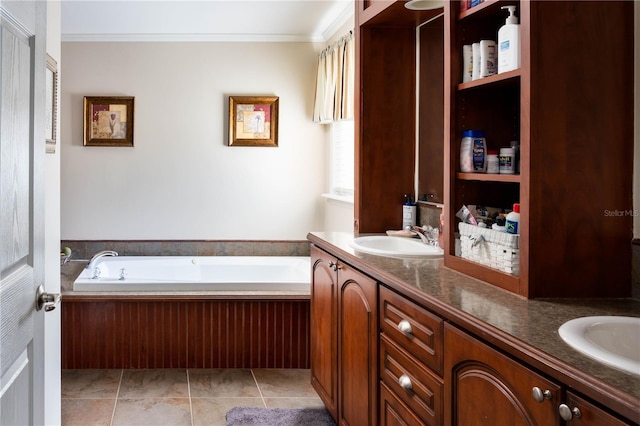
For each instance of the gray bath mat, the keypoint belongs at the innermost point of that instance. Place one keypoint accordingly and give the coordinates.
(239, 416)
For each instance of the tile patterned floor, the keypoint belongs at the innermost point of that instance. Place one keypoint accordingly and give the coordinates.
(178, 397)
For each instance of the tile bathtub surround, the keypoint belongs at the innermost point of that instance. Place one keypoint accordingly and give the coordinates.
(178, 396)
(84, 249)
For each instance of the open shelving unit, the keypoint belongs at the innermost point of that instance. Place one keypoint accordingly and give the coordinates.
(554, 105)
(570, 106)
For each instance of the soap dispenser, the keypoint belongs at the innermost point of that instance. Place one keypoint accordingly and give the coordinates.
(509, 43)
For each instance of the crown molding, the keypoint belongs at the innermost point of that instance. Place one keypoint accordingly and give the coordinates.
(253, 38)
(346, 14)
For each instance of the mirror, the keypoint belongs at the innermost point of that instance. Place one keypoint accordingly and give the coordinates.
(430, 111)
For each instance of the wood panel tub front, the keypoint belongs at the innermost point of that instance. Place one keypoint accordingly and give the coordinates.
(145, 332)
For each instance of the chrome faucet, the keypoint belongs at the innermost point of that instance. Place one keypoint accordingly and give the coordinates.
(425, 235)
(99, 255)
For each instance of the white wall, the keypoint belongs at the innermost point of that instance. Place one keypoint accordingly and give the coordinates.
(181, 180)
(52, 245)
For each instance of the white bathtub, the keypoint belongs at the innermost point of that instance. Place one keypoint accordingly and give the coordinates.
(189, 273)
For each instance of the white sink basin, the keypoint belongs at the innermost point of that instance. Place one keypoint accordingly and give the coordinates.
(612, 340)
(383, 245)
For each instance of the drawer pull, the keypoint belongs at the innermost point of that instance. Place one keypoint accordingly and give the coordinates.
(405, 382)
(568, 413)
(405, 327)
(540, 395)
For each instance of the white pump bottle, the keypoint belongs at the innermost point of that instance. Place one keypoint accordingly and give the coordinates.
(509, 43)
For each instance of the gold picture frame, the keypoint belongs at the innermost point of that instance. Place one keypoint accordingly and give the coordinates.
(108, 120)
(51, 118)
(253, 121)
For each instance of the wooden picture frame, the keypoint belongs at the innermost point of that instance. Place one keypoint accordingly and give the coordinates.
(108, 120)
(51, 110)
(253, 121)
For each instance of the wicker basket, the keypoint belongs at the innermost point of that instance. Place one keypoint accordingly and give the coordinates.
(495, 249)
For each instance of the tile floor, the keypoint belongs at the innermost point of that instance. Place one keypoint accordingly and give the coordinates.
(178, 396)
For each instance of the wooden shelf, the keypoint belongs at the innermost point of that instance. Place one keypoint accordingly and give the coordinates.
(485, 8)
(492, 80)
(500, 279)
(488, 177)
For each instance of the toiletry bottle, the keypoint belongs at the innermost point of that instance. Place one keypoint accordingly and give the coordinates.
(493, 162)
(507, 161)
(509, 43)
(488, 58)
(499, 225)
(467, 63)
(516, 159)
(408, 212)
(479, 152)
(513, 220)
(475, 56)
(473, 156)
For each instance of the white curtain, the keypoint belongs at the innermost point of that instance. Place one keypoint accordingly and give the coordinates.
(335, 81)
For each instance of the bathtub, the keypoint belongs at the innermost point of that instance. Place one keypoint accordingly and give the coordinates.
(196, 273)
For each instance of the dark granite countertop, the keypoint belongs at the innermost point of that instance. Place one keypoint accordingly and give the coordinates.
(525, 328)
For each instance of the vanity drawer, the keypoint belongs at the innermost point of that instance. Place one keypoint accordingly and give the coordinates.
(394, 412)
(412, 327)
(411, 382)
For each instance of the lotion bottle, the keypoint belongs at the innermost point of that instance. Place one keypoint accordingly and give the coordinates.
(509, 43)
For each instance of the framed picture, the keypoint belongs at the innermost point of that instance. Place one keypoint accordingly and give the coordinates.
(253, 121)
(51, 117)
(108, 121)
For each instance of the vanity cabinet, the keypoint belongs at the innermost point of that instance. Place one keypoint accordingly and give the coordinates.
(344, 339)
(573, 118)
(387, 352)
(483, 383)
(411, 360)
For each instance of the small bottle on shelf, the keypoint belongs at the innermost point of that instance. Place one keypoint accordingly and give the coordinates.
(493, 162)
(512, 225)
(507, 161)
(473, 150)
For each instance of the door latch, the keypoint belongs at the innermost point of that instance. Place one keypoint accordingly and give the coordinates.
(48, 301)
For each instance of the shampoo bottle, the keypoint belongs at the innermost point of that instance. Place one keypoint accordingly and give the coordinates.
(509, 43)
(408, 212)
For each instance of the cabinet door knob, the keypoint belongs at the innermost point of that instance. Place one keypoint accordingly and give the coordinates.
(540, 395)
(405, 382)
(405, 327)
(334, 266)
(567, 413)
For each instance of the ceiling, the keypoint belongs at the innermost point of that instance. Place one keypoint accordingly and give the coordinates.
(203, 20)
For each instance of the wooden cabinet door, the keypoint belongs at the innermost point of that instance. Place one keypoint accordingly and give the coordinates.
(358, 347)
(485, 387)
(590, 415)
(324, 339)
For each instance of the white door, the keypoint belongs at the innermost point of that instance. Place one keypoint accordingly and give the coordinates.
(22, 148)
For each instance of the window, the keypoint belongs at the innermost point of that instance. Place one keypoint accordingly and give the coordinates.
(342, 159)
